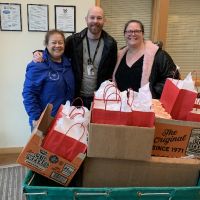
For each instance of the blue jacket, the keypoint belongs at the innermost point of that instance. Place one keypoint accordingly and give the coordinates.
(47, 82)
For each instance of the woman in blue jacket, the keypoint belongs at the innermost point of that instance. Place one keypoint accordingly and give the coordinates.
(51, 81)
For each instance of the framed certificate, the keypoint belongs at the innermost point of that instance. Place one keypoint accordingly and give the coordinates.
(11, 19)
(38, 17)
(65, 18)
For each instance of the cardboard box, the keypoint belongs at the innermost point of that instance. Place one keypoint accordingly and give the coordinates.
(175, 138)
(44, 162)
(120, 142)
(158, 171)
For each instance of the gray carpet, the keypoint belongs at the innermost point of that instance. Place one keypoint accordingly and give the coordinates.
(11, 179)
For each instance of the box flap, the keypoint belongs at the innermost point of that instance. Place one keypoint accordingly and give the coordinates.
(45, 119)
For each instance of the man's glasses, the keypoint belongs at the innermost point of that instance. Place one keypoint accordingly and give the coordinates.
(133, 31)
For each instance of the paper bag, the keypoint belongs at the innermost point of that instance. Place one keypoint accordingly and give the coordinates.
(107, 111)
(194, 115)
(177, 102)
(63, 145)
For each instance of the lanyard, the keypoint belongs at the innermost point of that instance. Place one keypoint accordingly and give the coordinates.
(90, 60)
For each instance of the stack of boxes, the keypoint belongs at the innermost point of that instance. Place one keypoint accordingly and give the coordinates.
(121, 156)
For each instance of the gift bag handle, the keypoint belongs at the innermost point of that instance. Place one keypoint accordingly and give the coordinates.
(106, 89)
(74, 126)
(107, 99)
(77, 98)
(71, 114)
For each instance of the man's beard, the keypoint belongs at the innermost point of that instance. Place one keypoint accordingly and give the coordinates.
(95, 29)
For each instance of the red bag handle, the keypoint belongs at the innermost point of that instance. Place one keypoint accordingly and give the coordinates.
(71, 114)
(106, 100)
(77, 98)
(106, 89)
(75, 125)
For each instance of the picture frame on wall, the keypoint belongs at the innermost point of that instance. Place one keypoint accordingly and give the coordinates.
(38, 17)
(10, 17)
(65, 18)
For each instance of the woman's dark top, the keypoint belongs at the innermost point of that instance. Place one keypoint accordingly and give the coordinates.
(129, 77)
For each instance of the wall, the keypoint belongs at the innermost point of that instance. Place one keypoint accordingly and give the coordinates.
(15, 52)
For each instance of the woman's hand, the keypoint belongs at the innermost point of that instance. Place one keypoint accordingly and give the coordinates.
(37, 56)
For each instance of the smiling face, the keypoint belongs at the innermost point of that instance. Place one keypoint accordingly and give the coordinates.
(134, 34)
(95, 20)
(56, 46)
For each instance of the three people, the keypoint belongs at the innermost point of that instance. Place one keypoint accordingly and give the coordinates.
(93, 54)
(142, 61)
(50, 81)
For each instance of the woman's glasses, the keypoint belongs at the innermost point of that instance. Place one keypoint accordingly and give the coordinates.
(133, 31)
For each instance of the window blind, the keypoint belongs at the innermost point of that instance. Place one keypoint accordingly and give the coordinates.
(183, 42)
(118, 12)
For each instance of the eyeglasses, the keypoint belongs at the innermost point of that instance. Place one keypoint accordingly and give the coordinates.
(133, 31)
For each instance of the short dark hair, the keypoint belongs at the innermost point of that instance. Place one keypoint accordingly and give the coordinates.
(52, 32)
(134, 21)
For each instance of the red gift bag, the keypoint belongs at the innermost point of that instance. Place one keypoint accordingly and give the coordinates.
(133, 118)
(104, 116)
(194, 115)
(100, 116)
(72, 114)
(197, 103)
(63, 145)
(177, 102)
(142, 119)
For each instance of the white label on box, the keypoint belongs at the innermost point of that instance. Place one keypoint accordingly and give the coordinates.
(68, 170)
(59, 178)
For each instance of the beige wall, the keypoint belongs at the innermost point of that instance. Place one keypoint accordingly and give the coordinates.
(15, 53)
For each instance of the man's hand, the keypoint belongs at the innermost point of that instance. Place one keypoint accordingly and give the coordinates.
(37, 56)
(34, 123)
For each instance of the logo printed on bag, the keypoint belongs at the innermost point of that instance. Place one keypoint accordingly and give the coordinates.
(193, 147)
(38, 160)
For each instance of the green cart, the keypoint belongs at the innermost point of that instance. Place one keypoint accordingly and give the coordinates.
(36, 187)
